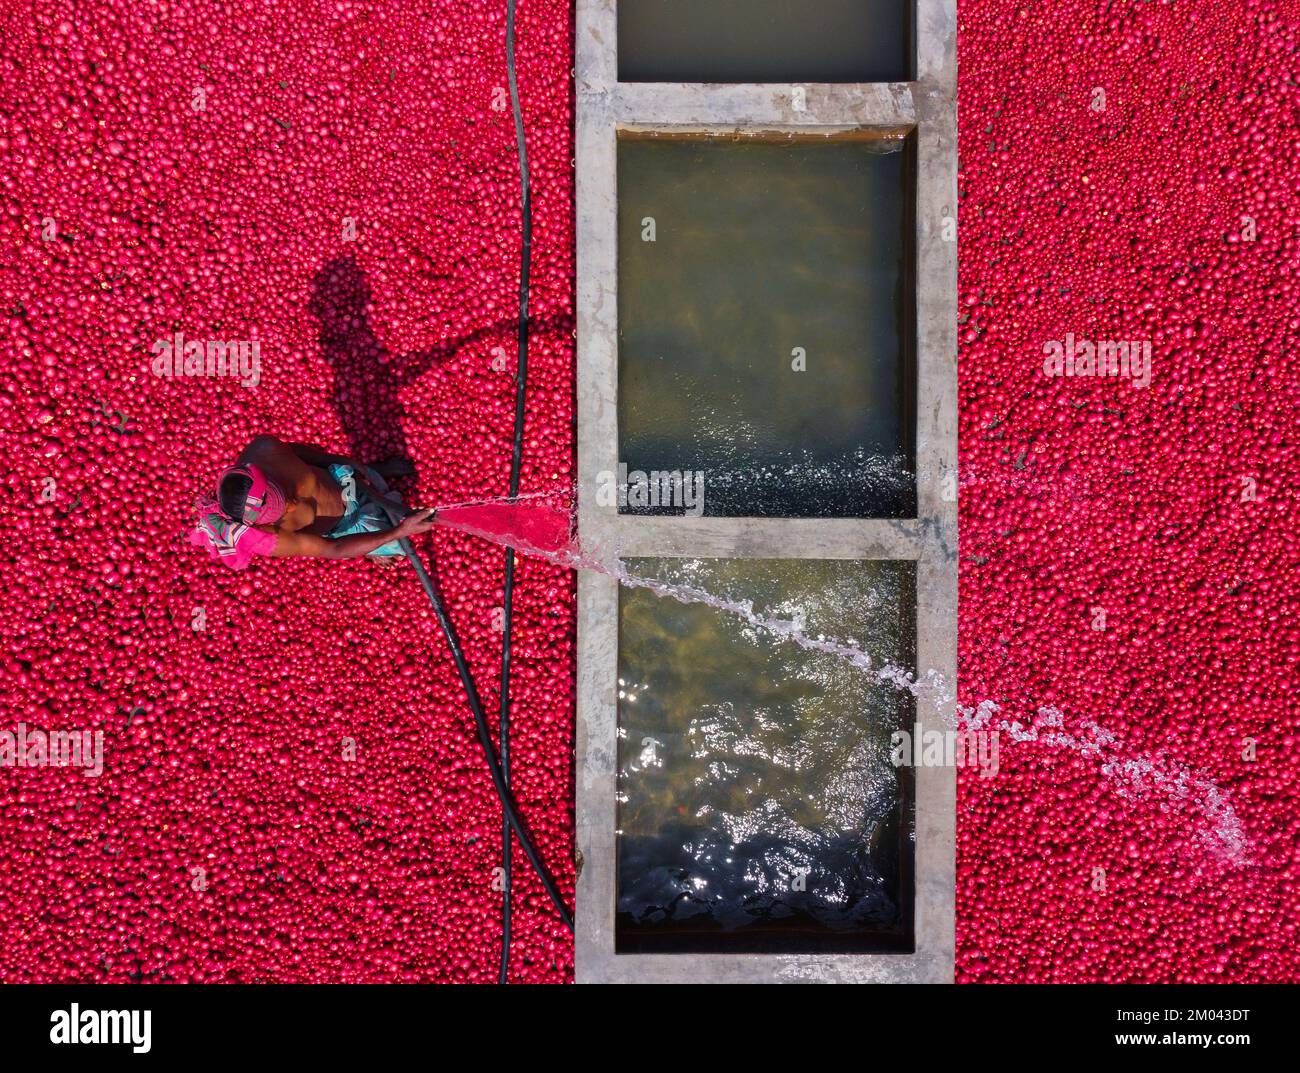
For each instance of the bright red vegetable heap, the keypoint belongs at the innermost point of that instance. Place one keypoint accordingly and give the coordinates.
(227, 222)
(1170, 508)
(127, 214)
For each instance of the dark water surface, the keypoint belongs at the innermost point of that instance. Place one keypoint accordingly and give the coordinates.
(764, 41)
(749, 767)
(762, 246)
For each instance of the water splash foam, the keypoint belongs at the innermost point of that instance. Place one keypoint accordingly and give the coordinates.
(1133, 775)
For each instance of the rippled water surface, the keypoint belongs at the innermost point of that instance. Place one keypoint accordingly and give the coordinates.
(758, 806)
(767, 255)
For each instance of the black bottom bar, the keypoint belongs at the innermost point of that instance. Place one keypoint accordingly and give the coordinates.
(390, 1024)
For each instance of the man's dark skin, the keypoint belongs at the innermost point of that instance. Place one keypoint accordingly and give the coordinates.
(313, 501)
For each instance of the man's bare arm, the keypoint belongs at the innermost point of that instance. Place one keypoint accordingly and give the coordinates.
(350, 547)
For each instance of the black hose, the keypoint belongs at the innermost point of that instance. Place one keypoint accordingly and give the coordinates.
(499, 765)
(484, 736)
(516, 455)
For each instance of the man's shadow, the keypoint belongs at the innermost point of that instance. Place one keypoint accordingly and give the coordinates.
(367, 377)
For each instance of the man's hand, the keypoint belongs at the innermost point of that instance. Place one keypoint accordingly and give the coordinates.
(421, 521)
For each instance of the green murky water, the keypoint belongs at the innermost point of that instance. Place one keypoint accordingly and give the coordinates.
(764, 41)
(759, 810)
(741, 260)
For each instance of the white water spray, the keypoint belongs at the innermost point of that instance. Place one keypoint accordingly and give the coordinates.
(1134, 776)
